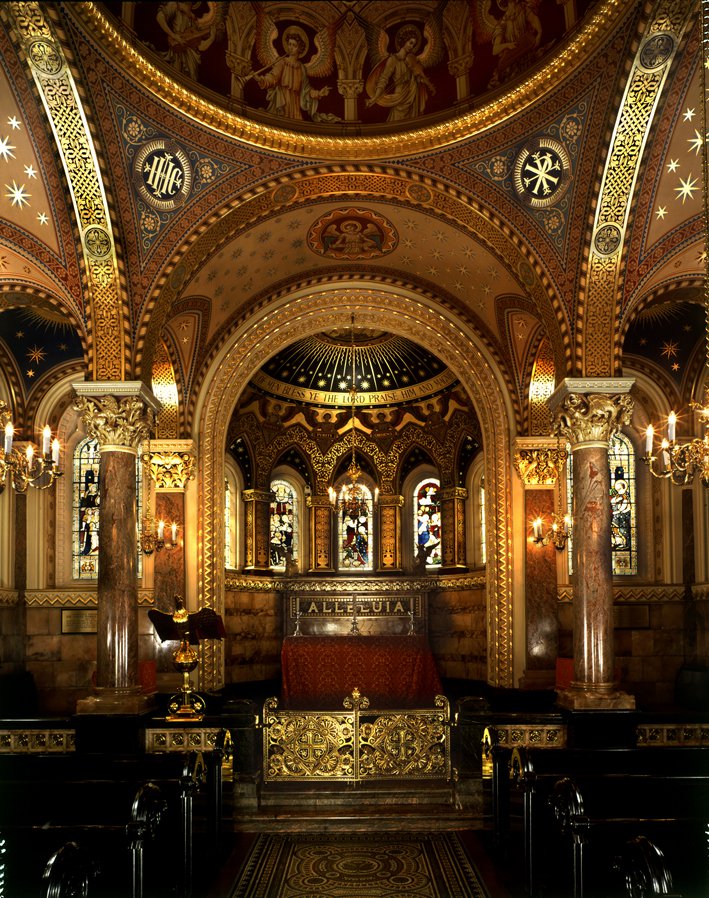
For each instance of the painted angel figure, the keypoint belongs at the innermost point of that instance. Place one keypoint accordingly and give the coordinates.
(189, 35)
(398, 80)
(286, 78)
(516, 35)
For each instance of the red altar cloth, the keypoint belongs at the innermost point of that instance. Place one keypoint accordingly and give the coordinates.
(391, 671)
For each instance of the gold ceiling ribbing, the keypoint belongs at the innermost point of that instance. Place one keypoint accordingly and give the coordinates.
(107, 328)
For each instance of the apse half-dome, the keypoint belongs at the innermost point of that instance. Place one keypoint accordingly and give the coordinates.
(389, 370)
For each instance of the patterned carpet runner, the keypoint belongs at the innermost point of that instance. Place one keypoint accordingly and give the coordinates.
(359, 866)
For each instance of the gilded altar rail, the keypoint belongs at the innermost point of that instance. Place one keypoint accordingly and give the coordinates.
(357, 744)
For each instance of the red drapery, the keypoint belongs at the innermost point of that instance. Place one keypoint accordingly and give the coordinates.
(391, 671)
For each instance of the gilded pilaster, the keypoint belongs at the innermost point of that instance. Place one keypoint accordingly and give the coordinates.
(453, 528)
(389, 513)
(321, 537)
(539, 461)
(257, 516)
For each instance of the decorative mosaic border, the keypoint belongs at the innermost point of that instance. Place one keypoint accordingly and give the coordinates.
(70, 598)
(674, 734)
(181, 739)
(533, 736)
(369, 585)
(638, 594)
(37, 740)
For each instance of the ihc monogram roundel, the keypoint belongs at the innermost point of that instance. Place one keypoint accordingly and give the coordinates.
(162, 174)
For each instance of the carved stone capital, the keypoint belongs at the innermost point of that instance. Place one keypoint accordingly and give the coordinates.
(591, 410)
(453, 492)
(350, 89)
(118, 414)
(171, 463)
(461, 65)
(257, 496)
(538, 460)
(390, 500)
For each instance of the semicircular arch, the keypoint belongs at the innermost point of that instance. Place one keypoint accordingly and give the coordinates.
(274, 329)
(311, 186)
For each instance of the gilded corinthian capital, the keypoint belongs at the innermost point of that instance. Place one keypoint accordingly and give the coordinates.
(591, 410)
(119, 415)
(538, 461)
(171, 463)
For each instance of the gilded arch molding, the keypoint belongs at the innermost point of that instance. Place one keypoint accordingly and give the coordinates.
(401, 187)
(107, 327)
(278, 326)
(599, 309)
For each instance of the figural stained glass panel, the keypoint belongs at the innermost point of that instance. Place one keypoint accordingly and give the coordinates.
(621, 461)
(356, 531)
(284, 524)
(427, 521)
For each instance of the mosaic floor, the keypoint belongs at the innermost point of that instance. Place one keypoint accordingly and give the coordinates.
(359, 866)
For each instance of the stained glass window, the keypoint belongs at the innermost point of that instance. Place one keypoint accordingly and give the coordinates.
(621, 460)
(228, 560)
(481, 520)
(284, 524)
(86, 507)
(427, 521)
(356, 531)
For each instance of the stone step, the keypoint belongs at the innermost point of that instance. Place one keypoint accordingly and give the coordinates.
(351, 795)
(365, 818)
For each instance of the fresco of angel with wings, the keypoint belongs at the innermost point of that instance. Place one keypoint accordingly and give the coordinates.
(398, 80)
(285, 77)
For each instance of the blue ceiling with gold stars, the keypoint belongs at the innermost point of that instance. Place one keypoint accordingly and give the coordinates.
(38, 339)
(669, 334)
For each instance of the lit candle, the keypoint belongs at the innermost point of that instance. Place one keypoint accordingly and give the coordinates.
(9, 431)
(30, 454)
(665, 454)
(161, 529)
(46, 440)
(174, 532)
(671, 426)
(649, 435)
(537, 528)
(55, 452)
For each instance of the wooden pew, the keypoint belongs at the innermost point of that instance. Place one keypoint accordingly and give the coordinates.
(628, 789)
(628, 846)
(93, 814)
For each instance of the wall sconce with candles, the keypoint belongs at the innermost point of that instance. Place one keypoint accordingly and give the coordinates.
(557, 534)
(152, 535)
(681, 462)
(23, 469)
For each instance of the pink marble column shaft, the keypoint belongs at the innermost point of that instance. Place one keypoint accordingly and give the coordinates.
(117, 638)
(593, 583)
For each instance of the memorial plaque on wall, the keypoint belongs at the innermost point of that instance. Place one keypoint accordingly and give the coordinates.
(79, 620)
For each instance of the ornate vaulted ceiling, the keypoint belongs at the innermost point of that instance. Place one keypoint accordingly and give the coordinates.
(481, 195)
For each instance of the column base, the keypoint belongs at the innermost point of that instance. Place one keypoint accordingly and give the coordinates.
(590, 697)
(106, 700)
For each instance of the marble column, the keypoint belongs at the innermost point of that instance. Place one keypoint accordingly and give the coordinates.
(588, 412)
(389, 539)
(539, 462)
(257, 527)
(119, 415)
(453, 528)
(321, 538)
